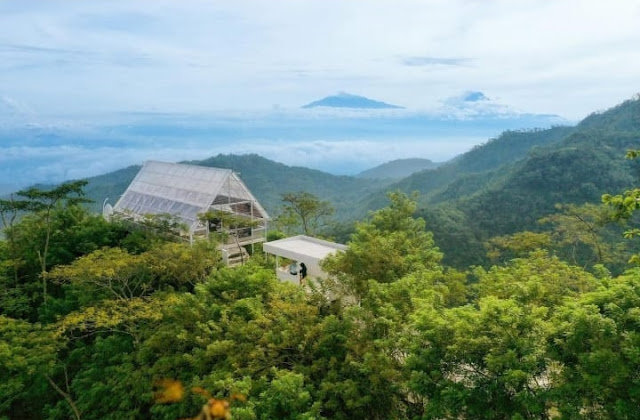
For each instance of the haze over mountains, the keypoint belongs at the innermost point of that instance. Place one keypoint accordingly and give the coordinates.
(337, 139)
(502, 186)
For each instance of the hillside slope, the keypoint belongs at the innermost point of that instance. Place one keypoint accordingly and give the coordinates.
(578, 169)
(398, 169)
(267, 179)
(506, 149)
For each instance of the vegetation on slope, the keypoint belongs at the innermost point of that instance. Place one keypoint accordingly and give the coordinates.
(499, 188)
(267, 180)
(398, 169)
(575, 169)
(140, 328)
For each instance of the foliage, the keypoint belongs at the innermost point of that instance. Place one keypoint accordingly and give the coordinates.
(41, 203)
(386, 247)
(481, 362)
(596, 340)
(538, 279)
(304, 211)
(27, 353)
(164, 223)
(168, 333)
(139, 327)
(73, 232)
(114, 273)
(231, 226)
(582, 225)
(625, 205)
(506, 247)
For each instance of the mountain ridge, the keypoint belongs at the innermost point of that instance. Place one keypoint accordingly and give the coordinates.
(398, 168)
(267, 180)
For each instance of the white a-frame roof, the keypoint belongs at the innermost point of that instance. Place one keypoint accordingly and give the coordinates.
(183, 191)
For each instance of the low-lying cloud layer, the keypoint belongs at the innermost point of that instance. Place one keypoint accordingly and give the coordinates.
(338, 142)
(21, 166)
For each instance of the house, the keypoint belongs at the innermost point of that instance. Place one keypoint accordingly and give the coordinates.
(185, 192)
(290, 252)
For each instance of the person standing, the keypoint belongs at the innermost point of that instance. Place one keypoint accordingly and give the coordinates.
(303, 272)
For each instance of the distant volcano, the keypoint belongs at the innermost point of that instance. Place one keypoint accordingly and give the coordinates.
(474, 97)
(477, 105)
(346, 100)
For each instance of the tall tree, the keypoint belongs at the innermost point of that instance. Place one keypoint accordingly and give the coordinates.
(42, 202)
(596, 342)
(388, 246)
(483, 361)
(305, 210)
(10, 209)
(584, 225)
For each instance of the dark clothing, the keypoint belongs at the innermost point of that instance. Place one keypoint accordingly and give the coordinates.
(303, 270)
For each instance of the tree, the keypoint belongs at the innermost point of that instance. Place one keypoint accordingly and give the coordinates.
(538, 279)
(305, 210)
(384, 248)
(232, 226)
(584, 225)
(73, 232)
(42, 202)
(484, 361)
(9, 211)
(626, 205)
(507, 247)
(27, 357)
(596, 340)
(113, 273)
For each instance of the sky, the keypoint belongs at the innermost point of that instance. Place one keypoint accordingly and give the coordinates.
(543, 56)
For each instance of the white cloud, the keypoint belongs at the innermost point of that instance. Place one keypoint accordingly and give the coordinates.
(566, 57)
(24, 165)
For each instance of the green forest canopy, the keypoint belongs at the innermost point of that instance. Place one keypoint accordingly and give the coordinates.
(514, 296)
(137, 327)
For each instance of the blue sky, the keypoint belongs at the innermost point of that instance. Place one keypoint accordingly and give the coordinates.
(564, 57)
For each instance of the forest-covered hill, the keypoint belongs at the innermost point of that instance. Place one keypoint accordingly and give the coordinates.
(506, 149)
(500, 187)
(570, 165)
(266, 179)
(352, 196)
(398, 169)
(117, 323)
(100, 320)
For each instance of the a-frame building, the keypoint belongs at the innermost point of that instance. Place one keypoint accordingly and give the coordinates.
(187, 191)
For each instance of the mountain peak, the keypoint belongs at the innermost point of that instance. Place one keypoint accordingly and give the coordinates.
(348, 100)
(474, 97)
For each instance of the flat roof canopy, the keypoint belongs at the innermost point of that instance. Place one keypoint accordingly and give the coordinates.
(302, 247)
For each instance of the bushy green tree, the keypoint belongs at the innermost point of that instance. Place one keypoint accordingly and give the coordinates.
(27, 359)
(303, 211)
(390, 244)
(596, 342)
(73, 232)
(485, 362)
(539, 279)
